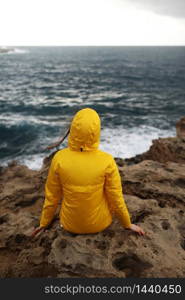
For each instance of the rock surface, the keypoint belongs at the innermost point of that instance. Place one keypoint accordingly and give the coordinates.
(5, 50)
(151, 179)
(154, 190)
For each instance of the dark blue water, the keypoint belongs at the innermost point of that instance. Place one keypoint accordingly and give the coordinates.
(139, 93)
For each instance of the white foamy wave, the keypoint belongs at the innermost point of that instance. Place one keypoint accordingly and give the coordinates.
(33, 162)
(18, 51)
(17, 119)
(119, 142)
(126, 143)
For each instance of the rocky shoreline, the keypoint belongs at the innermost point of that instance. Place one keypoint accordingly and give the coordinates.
(154, 190)
(5, 50)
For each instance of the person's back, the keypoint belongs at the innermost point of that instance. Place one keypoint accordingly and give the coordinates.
(87, 181)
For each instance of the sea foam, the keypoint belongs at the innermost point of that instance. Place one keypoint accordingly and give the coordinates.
(119, 142)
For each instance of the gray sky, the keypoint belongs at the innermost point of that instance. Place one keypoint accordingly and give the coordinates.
(92, 22)
(174, 8)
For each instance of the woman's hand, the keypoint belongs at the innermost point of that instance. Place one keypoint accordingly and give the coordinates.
(36, 231)
(137, 229)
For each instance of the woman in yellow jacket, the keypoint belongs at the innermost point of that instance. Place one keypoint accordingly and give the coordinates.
(86, 180)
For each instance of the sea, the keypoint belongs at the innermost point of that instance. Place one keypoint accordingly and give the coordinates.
(139, 93)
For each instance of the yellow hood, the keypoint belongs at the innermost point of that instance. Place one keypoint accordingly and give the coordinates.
(85, 131)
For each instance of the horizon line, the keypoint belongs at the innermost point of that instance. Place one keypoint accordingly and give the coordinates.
(92, 45)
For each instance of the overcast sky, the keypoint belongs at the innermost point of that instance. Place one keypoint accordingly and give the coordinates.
(174, 8)
(92, 22)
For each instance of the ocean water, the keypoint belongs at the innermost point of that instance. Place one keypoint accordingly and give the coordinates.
(139, 93)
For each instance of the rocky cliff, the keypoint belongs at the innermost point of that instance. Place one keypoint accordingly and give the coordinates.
(154, 190)
(5, 50)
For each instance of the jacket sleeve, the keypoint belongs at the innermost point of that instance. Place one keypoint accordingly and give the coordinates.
(114, 195)
(53, 194)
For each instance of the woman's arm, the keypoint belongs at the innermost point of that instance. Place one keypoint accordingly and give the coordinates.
(53, 193)
(114, 195)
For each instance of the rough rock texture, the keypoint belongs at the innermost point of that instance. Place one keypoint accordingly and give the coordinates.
(162, 150)
(151, 179)
(155, 194)
(115, 252)
(5, 50)
(20, 186)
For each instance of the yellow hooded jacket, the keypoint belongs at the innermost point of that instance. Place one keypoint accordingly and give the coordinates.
(86, 179)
